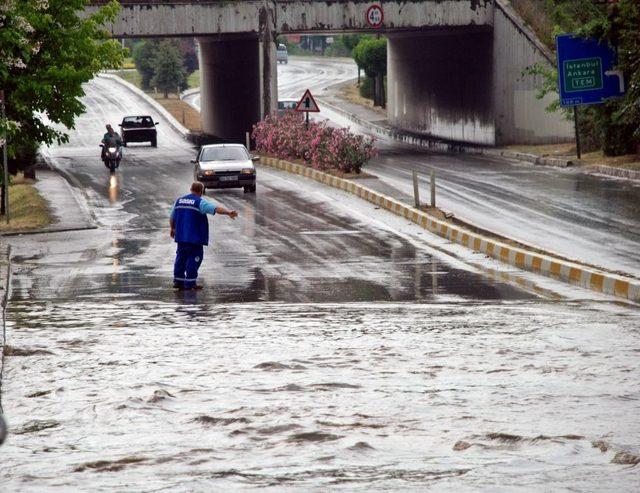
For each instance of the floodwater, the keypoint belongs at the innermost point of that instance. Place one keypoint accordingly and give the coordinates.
(125, 395)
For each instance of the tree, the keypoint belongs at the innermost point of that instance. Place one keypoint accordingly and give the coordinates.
(48, 50)
(613, 126)
(621, 118)
(169, 71)
(371, 55)
(189, 55)
(144, 56)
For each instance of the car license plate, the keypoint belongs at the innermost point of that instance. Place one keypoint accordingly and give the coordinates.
(228, 178)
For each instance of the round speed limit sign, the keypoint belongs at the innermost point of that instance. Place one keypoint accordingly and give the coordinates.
(375, 16)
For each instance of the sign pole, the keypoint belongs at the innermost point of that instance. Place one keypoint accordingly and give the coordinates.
(307, 104)
(416, 190)
(575, 123)
(5, 171)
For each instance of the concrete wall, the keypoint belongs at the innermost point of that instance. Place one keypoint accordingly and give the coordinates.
(440, 85)
(340, 15)
(230, 87)
(455, 66)
(520, 117)
(139, 18)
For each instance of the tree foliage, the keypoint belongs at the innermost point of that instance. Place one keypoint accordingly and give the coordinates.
(48, 51)
(162, 64)
(615, 125)
(169, 73)
(371, 55)
(621, 118)
(144, 56)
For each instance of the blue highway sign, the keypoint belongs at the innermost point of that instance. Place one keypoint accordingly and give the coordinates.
(586, 71)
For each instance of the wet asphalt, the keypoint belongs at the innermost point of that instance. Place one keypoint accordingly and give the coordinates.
(593, 219)
(287, 245)
(327, 350)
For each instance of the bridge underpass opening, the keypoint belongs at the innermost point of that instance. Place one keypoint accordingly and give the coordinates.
(230, 84)
(440, 84)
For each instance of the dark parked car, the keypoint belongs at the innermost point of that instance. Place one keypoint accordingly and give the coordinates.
(139, 129)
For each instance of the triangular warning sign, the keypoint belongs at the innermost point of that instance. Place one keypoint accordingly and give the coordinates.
(307, 103)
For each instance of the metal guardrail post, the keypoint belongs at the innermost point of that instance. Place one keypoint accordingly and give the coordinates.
(416, 191)
(433, 187)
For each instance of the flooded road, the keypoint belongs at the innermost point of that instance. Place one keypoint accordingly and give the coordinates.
(190, 396)
(334, 346)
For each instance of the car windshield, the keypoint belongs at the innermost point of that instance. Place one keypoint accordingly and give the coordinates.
(224, 154)
(137, 121)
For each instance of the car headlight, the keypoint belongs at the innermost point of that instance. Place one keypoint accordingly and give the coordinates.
(112, 149)
(247, 171)
(209, 172)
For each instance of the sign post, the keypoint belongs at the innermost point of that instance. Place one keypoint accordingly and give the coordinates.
(586, 74)
(308, 105)
(5, 168)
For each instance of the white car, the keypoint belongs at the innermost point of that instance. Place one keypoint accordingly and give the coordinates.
(286, 104)
(225, 166)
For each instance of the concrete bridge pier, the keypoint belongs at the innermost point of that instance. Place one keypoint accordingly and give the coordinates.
(238, 81)
(440, 84)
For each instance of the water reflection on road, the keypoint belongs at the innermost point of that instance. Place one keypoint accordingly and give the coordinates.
(190, 396)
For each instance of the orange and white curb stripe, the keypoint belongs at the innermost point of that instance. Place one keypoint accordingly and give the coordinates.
(569, 272)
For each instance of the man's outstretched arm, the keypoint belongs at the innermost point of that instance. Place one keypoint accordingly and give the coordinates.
(207, 207)
(226, 212)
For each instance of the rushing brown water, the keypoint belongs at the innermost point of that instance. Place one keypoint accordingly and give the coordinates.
(151, 396)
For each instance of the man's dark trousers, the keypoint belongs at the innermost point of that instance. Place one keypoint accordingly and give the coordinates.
(185, 268)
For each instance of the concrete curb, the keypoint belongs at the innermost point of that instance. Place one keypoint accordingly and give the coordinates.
(189, 92)
(445, 146)
(175, 124)
(627, 174)
(569, 272)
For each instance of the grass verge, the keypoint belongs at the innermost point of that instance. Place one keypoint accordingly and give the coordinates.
(28, 210)
(181, 111)
(351, 93)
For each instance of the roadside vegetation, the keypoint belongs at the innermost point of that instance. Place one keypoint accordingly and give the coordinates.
(613, 128)
(48, 50)
(317, 145)
(370, 54)
(28, 210)
(163, 68)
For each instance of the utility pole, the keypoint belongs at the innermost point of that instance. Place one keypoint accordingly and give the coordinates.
(4, 207)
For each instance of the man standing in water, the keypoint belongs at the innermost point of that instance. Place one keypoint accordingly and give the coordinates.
(190, 229)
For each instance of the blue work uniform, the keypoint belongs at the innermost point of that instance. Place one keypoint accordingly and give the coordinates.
(189, 215)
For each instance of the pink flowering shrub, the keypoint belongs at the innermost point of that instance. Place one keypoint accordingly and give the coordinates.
(320, 146)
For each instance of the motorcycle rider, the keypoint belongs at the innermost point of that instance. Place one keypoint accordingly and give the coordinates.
(110, 139)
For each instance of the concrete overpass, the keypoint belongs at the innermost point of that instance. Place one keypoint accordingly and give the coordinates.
(454, 66)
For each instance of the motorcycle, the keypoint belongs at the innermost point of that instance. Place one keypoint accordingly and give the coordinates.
(111, 157)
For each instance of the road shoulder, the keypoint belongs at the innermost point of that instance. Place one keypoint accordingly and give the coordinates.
(67, 205)
(538, 262)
